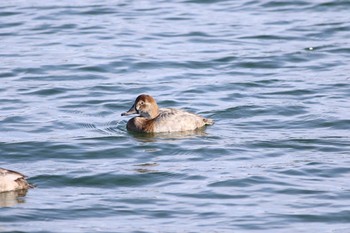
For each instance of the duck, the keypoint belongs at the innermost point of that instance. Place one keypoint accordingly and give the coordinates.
(152, 119)
(12, 181)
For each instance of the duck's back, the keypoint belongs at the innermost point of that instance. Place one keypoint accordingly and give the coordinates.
(172, 120)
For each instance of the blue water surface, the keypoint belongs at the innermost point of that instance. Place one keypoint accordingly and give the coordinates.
(274, 76)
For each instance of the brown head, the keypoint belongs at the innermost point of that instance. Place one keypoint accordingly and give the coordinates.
(145, 106)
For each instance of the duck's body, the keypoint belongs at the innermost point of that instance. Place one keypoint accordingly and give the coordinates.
(168, 120)
(12, 181)
(151, 119)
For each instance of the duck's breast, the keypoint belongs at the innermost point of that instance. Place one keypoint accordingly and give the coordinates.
(172, 120)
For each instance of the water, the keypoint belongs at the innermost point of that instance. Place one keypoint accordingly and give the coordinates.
(274, 75)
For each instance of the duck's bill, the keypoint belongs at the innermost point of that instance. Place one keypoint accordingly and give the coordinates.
(131, 111)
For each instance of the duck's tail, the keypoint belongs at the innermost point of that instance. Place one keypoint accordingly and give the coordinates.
(22, 183)
(208, 121)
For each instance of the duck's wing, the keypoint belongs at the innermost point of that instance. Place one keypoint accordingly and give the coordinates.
(170, 120)
(170, 112)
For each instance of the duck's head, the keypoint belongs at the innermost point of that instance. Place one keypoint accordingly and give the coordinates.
(145, 106)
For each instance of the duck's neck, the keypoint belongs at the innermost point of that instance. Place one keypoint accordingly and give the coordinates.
(151, 113)
(154, 112)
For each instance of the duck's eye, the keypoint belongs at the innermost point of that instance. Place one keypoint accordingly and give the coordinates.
(142, 103)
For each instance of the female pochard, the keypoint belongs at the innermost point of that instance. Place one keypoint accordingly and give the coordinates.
(152, 119)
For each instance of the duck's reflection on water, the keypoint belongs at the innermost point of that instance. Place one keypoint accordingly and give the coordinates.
(12, 198)
(145, 168)
(152, 137)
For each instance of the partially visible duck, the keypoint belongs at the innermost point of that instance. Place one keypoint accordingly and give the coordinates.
(152, 119)
(12, 181)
